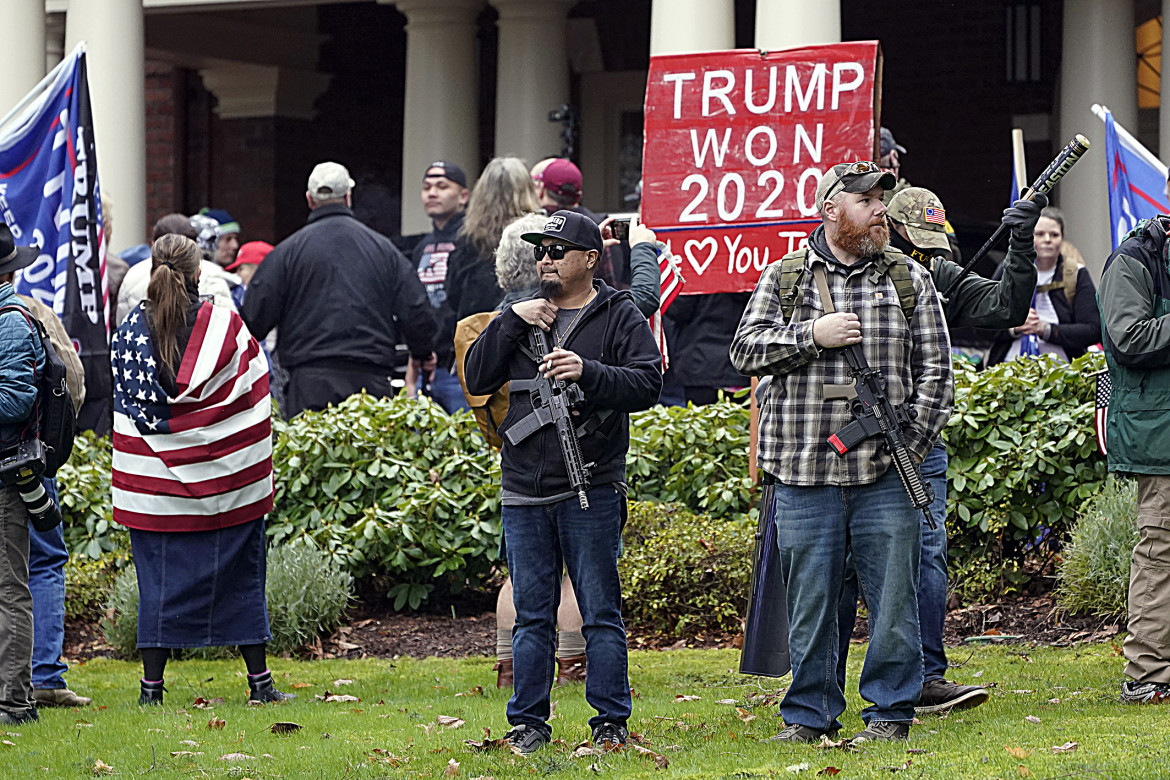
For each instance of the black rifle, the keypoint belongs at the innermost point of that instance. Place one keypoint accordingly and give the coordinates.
(553, 401)
(874, 415)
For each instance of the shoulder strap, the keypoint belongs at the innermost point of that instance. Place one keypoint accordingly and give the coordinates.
(899, 273)
(791, 272)
(1069, 270)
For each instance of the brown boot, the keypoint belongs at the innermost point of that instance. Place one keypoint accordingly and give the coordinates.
(504, 667)
(571, 670)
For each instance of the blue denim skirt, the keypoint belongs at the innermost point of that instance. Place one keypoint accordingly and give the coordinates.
(201, 588)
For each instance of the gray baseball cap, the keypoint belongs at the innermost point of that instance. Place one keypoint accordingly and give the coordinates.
(859, 176)
(329, 180)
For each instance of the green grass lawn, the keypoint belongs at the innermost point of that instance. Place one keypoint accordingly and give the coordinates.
(1043, 697)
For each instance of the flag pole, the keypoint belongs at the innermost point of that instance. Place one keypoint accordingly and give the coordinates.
(36, 91)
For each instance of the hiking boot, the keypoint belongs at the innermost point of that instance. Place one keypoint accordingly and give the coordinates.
(262, 690)
(1144, 693)
(526, 739)
(504, 678)
(59, 697)
(571, 670)
(888, 730)
(18, 717)
(151, 692)
(799, 733)
(943, 695)
(610, 736)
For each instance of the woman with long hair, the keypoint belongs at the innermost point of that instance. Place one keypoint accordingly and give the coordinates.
(504, 192)
(193, 471)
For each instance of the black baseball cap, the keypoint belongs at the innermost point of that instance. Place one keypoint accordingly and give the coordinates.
(447, 170)
(571, 228)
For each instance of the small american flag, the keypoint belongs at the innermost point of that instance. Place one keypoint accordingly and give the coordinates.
(203, 459)
(1104, 390)
(936, 215)
(670, 281)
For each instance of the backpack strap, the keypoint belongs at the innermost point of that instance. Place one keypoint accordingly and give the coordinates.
(1069, 270)
(791, 273)
(38, 329)
(898, 269)
(894, 264)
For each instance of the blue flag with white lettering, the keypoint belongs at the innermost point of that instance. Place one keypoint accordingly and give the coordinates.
(49, 197)
(1137, 181)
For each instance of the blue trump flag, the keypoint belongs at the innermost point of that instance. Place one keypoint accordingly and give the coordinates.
(49, 196)
(1137, 180)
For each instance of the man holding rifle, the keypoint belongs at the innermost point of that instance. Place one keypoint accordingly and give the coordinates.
(917, 220)
(830, 501)
(602, 364)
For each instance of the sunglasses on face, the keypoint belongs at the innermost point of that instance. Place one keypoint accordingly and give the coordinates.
(554, 251)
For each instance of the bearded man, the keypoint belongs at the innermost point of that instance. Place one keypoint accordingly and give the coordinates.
(830, 508)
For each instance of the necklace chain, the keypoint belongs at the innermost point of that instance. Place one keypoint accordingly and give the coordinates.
(561, 334)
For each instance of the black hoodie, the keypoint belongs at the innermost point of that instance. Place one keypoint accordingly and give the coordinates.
(621, 372)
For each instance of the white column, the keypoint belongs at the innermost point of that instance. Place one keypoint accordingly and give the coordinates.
(787, 24)
(1098, 66)
(113, 31)
(683, 26)
(532, 77)
(24, 49)
(441, 120)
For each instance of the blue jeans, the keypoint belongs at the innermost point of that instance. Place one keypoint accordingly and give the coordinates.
(540, 540)
(818, 527)
(47, 557)
(447, 391)
(932, 579)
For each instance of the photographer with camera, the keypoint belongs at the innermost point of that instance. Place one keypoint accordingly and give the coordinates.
(22, 497)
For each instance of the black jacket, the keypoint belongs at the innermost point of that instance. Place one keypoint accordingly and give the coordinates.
(622, 372)
(1078, 326)
(339, 293)
(472, 286)
(436, 246)
(699, 329)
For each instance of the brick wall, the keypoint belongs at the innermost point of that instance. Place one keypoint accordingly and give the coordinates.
(165, 141)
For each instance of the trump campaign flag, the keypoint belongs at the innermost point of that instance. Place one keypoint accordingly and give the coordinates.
(50, 199)
(1137, 179)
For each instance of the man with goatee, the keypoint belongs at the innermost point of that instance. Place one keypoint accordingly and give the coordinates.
(829, 508)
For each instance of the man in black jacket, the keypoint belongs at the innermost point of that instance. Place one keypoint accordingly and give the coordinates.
(338, 293)
(601, 342)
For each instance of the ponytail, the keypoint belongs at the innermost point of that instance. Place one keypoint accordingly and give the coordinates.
(175, 260)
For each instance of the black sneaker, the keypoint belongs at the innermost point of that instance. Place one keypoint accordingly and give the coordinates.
(799, 733)
(1144, 693)
(888, 730)
(610, 736)
(526, 739)
(17, 717)
(942, 695)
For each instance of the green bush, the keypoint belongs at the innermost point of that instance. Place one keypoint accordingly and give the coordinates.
(1094, 575)
(86, 504)
(696, 456)
(394, 488)
(88, 583)
(1023, 456)
(306, 590)
(684, 573)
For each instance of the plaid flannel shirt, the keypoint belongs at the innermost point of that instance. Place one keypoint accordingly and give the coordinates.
(795, 419)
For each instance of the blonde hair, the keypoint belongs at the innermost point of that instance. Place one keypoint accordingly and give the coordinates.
(504, 192)
(174, 262)
(515, 262)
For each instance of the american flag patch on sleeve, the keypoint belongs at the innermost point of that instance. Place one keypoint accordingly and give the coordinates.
(936, 215)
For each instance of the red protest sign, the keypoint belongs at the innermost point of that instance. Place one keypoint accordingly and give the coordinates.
(736, 143)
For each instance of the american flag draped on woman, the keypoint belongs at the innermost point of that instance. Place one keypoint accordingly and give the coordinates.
(193, 471)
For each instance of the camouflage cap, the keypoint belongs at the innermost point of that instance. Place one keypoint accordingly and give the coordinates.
(922, 213)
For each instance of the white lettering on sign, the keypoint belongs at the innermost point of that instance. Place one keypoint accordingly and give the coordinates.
(678, 79)
(803, 139)
(689, 214)
(749, 148)
(711, 91)
(765, 211)
(816, 83)
(749, 91)
(839, 86)
(806, 201)
(710, 142)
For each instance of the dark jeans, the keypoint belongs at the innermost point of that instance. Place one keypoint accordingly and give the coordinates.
(932, 579)
(47, 557)
(540, 540)
(817, 528)
(16, 609)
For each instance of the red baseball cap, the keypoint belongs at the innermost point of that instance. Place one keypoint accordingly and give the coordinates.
(251, 253)
(562, 177)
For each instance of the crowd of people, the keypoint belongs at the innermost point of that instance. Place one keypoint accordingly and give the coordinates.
(522, 295)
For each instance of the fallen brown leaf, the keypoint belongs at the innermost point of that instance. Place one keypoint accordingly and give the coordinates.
(1024, 771)
(203, 704)
(660, 760)
(301, 685)
(744, 715)
(830, 771)
(1032, 719)
(386, 757)
(452, 769)
(448, 721)
(216, 724)
(283, 727)
(680, 697)
(179, 753)
(1017, 752)
(1067, 747)
(236, 757)
(476, 691)
(339, 683)
(102, 768)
